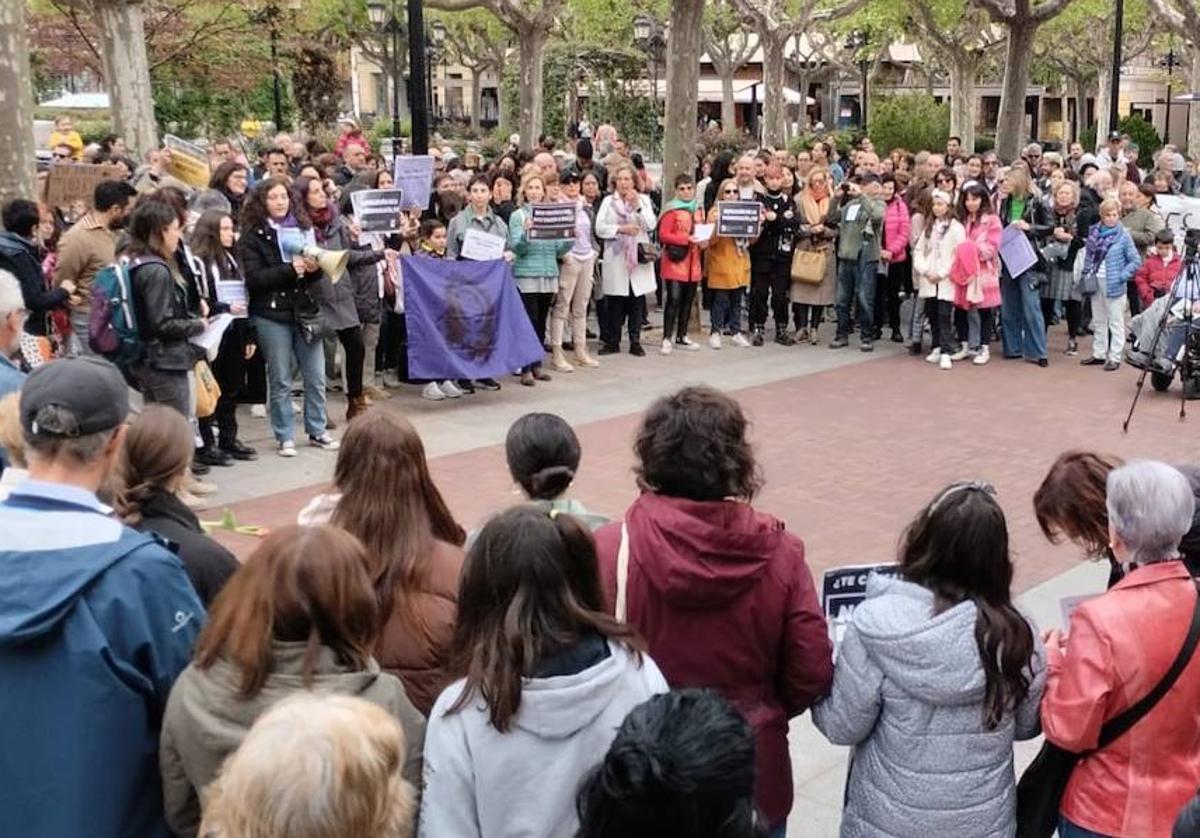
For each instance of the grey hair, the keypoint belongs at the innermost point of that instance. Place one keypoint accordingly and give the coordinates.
(81, 449)
(11, 298)
(1150, 506)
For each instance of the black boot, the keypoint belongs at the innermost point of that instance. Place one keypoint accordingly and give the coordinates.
(782, 337)
(758, 336)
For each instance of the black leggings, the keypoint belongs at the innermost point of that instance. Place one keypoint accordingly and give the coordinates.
(356, 352)
(769, 277)
(678, 311)
(537, 306)
(1074, 311)
(807, 316)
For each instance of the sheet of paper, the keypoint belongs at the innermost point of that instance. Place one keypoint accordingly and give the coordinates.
(703, 232)
(232, 292)
(852, 212)
(642, 281)
(210, 339)
(479, 246)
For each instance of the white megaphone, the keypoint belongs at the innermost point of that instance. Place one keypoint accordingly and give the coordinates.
(332, 262)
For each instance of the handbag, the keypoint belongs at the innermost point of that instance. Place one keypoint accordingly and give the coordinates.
(1041, 787)
(207, 390)
(1086, 282)
(677, 252)
(647, 253)
(808, 266)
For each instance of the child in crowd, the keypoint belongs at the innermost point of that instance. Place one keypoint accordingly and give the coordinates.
(933, 257)
(543, 456)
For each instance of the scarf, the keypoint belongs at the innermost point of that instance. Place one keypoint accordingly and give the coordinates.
(1099, 240)
(626, 243)
(321, 220)
(815, 205)
(430, 250)
(679, 204)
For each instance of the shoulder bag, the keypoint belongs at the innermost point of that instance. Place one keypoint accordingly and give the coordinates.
(1041, 787)
(808, 266)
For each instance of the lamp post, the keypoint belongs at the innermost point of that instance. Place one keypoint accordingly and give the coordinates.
(855, 42)
(435, 41)
(390, 26)
(383, 14)
(651, 38)
(1114, 102)
(1169, 61)
(270, 14)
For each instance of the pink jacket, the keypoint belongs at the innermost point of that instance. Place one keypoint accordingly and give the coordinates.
(985, 235)
(896, 227)
(1119, 646)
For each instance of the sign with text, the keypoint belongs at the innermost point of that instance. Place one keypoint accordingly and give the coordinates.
(413, 174)
(552, 221)
(1181, 214)
(739, 219)
(67, 183)
(188, 162)
(843, 589)
(378, 210)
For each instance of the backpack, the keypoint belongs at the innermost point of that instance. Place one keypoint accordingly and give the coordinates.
(112, 324)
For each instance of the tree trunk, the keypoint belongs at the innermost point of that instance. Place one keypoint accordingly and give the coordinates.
(683, 80)
(1103, 93)
(774, 128)
(533, 56)
(962, 100)
(1010, 125)
(728, 105)
(17, 148)
(476, 97)
(127, 72)
(1081, 119)
(1193, 137)
(503, 117)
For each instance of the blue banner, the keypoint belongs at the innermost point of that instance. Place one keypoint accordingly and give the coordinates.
(465, 319)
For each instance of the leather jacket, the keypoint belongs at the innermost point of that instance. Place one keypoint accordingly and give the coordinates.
(164, 322)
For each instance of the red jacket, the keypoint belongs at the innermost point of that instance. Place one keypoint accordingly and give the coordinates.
(722, 595)
(1156, 275)
(674, 228)
(1119, 646)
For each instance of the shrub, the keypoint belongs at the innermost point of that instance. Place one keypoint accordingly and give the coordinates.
(1143, 134)
(912, 121)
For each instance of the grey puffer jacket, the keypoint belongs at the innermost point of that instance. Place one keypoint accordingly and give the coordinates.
(339, 303)
(908, 694)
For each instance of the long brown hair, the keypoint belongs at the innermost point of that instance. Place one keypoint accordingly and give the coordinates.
(303, 584)
(530, 586)
(1070, 503)
(157, 451)
(390, 502)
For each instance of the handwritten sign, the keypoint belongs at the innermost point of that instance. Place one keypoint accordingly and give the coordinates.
(189, 162)
(843, 589)
(67, 183)
(378, 210)
(738, 219)
(413, 174)
(552, 221)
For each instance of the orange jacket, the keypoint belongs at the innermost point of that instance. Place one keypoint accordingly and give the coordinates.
(1119, 647)
(728, 267)
(675, 228)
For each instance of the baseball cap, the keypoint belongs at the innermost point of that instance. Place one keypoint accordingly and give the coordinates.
(90, 394)
(1113, 136)
(569, 176)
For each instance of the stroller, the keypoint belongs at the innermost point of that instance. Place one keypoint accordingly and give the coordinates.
(1176, 352)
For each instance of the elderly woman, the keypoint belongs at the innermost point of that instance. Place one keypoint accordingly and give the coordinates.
(623, 223)
(1137, 784)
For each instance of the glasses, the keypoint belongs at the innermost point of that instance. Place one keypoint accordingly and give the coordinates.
(729, 192)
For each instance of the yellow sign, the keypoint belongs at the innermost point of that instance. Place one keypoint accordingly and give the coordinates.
(189, 162)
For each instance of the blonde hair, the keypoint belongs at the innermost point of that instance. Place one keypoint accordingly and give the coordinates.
(12, 438)
(1074, 189)
(529, 178)
(1110, 205)
(314, 766)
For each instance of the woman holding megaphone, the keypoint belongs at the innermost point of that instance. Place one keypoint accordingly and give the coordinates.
(335, 295)
(281, 284)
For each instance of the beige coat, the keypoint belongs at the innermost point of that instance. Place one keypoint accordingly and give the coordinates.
(932, 257)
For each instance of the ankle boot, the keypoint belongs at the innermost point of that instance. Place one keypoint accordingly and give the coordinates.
(356, 406)
(559, 361)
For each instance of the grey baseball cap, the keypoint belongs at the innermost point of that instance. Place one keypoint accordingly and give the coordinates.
(90, 394)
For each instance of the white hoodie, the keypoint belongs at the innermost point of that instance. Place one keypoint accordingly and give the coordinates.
(522, 784)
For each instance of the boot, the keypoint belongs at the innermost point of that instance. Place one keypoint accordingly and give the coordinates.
(582, 357)
(355, 406)
(758, 336)
(783, 338)
(559, 361)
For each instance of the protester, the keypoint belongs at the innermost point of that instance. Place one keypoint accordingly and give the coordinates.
(727, 275)
(680, 265)
(546, 679)
(771, 259)
(479, 215)
(96, 616)
(623, 223)
(1022, 329)
(682, 766)
(895, 270)
(387, 499)
(231, 179)
(315, 767)
(693, 565)
(977, 279)
(933, 256)
(285, 314)
(1060, 251)
(1118, 648)
(543, 457)
(857, 216)
(809, 300)
(575, 283)
(19, 255)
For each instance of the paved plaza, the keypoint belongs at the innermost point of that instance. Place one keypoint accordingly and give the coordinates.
(851, 445)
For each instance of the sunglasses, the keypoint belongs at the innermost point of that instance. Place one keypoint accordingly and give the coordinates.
(729, 192)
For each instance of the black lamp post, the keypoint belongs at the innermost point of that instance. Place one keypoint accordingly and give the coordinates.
(651, 38)
(271, 14)
(855, 42)
(1169, 61)
(435, 40)
(1114, 101)
(383, 14)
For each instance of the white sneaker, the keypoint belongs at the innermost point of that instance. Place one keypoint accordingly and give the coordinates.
(946, 362)
(287, 448)
(666, 346)
(962, 354)
(934, 356)
(714, 340)
(740, 340)
(325, 442)
(258, 411)
(981, 357)
(688, 344)
(432, 392)
(450, 390)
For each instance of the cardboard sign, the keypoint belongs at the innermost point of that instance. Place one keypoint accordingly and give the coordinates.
(738, 219)
(842, 589)
(413, 174)
(378, 210)
(552, 221)
(67, 183)
(189, 162)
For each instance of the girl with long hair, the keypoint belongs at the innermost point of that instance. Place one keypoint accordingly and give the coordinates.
(386, 497)
(933, 259)
(937, 669)
(546, 679)
(232, 179)
(977, 289)
(299, 616)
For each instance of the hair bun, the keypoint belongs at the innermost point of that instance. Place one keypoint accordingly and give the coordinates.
(629, 768)
(550, 482)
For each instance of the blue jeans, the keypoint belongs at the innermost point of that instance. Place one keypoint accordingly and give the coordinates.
(726, 310)
(856, 278)
(1066, 829)
(279, 343)
(1022, 329)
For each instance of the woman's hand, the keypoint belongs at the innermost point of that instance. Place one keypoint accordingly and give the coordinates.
(355, 229)
(249, 351)
(204, 310)
(1061, 234)
(771, 216)
(1053, 639)
(629, 229)
(310, 265)
(509, 256)
(1022, 225)
(237, 309)
(391, 255)
(68, 286)
(529, 222)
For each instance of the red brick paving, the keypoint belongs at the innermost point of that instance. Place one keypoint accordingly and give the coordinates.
(851, 454)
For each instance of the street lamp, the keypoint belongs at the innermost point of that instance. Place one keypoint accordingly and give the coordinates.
(649, 35)
(271, 14)
(383, 14)
(1169, 61)
(854, 43)
(435, 41)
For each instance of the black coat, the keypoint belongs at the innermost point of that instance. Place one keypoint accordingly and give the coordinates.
(20, 257)
(1041, 225)
(208, 564)
(164, 321)
(230, 366)
(274, 289)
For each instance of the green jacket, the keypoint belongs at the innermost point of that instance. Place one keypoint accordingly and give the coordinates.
(534, 257)
(852, 237)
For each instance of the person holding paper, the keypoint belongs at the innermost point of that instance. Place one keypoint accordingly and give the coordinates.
(623, 222)
(1022, 327)
(575, 281)
(858, 217)
(479, 214)
(680, 264)
(728, 272)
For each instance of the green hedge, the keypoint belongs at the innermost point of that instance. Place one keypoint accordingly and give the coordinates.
(911, 121)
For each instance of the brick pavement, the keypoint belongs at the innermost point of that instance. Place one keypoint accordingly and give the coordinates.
(850, 454)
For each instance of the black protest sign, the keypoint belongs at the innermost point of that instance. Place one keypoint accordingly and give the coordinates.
(843, 589)
(552, 221)
(739, 219)
(378, 210)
